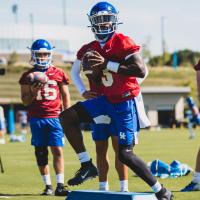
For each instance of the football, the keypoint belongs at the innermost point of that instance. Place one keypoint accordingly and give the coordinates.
(39, 77)
(94, 74)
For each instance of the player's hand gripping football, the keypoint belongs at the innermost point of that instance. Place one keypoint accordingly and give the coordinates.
(35, 87)
(94, 60)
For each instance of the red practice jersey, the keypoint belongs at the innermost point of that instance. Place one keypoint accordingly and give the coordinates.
(47, 104)
(116, 87)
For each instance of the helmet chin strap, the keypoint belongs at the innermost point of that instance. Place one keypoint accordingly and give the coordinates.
(39, 64)
(41, 68)
(104, 40)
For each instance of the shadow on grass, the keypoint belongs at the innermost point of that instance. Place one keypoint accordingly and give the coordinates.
(17, 195)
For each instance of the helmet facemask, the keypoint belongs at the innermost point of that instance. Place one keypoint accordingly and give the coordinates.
(103, 25)
(42, 59)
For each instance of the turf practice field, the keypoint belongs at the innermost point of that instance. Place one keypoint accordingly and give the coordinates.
(21, 179)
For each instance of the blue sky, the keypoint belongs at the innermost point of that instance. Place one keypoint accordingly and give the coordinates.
(142, 19)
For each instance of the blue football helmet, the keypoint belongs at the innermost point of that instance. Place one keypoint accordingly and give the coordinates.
(104, 21)
(41, 53)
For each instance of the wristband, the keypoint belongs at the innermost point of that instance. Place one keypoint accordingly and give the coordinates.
(113, 66)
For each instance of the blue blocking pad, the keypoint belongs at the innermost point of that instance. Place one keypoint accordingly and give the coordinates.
(101, 195)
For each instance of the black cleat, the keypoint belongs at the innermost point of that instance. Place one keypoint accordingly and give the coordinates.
(164, 194)
(87, 171)
(61, 190)
(48, 190)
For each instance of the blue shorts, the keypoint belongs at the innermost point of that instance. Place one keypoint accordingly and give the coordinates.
(122, 116)
(46, 132)
(103, 131)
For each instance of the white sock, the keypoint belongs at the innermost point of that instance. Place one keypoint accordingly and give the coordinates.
(46, 179)
(157, 187)
(196, 177)
(104, 186)
(123, 186)
(83, 157)
(60, 178)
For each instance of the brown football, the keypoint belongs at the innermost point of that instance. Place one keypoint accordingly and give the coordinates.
(39, 77)
(94, 74)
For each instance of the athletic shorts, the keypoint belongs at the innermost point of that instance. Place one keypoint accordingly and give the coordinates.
(46, 132)
(103, 131)
(122, 116)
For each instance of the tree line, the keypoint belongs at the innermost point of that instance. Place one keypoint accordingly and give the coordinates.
(183, 58)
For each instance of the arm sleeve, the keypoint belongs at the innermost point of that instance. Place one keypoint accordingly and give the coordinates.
(76, 76)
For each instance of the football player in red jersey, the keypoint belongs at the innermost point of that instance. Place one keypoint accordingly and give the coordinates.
(44, 105)
(101, 134)
(119, 59)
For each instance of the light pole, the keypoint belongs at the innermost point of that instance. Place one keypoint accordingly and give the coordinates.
(32, 26)
(15, 12)
(64, 12)
(163, 44)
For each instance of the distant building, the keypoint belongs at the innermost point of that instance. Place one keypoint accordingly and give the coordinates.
(165, 105)
(67, 40)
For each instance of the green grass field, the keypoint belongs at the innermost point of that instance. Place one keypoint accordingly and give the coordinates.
(21, 179)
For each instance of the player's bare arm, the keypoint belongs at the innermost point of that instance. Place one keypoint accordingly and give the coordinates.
(29, 93)
(132, 66)
(64, 90)
(197, 68)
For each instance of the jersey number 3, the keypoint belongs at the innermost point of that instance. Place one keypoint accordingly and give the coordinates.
(107, 79)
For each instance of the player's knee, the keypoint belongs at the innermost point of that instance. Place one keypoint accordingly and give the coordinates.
(125, 153)
(102, 156)
(57, 152)
(41, 154)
